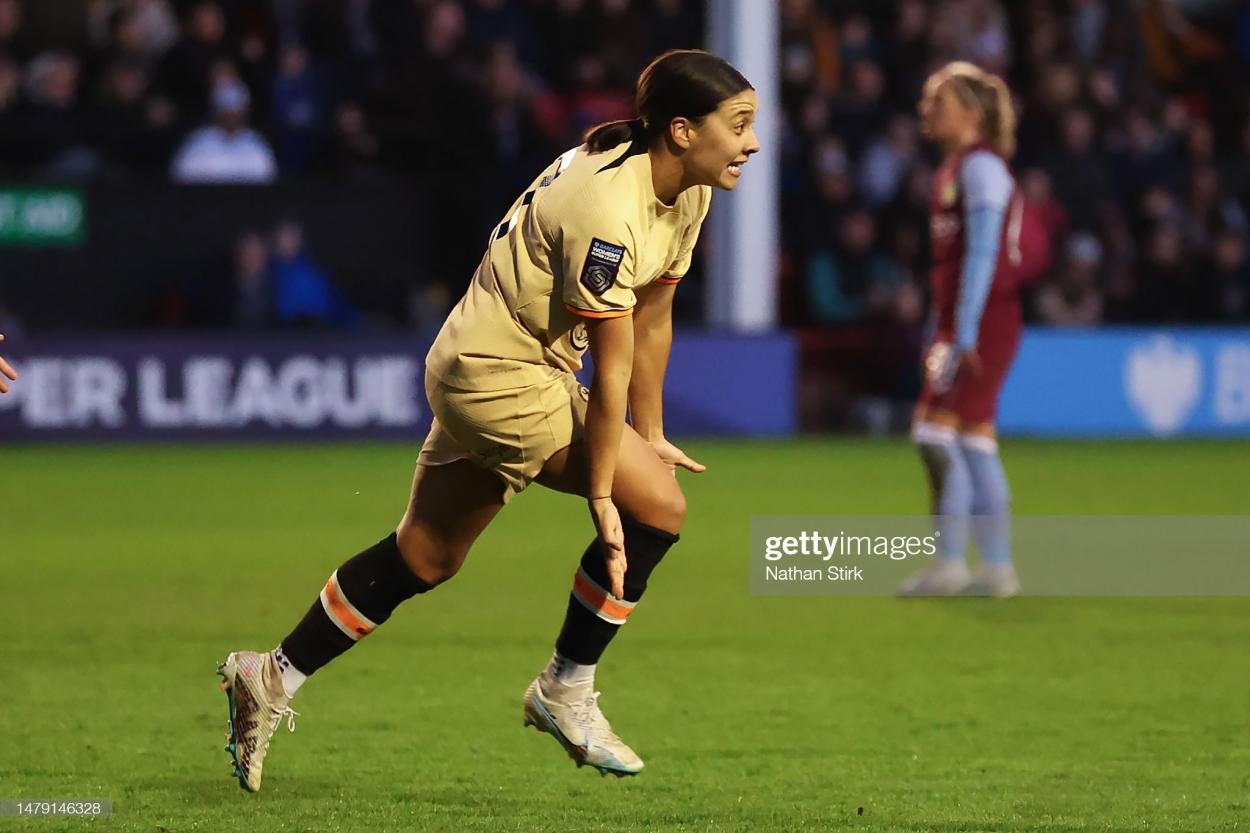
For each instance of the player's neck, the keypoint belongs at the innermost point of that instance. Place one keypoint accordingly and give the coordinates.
(667, 175)
(961, 143)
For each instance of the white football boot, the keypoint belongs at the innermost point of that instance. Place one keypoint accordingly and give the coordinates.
(253, 685)
(997, 580)
(947, 577)
(571, 715)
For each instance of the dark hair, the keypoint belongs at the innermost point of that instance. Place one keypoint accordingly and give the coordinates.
(681, 82)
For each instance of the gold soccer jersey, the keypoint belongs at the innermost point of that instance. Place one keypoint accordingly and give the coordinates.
(585, 235)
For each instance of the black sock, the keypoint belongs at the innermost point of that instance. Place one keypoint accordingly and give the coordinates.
(360, 595)
(594, 615)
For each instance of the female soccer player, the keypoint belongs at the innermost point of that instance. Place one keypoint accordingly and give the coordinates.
(975, 227)
(589, 256)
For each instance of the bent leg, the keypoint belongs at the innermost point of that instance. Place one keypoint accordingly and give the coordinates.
(653, 510)
(643, 488)
(449, 508)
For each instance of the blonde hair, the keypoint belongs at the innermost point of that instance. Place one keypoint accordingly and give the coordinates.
(986, 93)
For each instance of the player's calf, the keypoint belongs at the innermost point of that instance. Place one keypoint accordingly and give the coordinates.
(991, 498)
(562, 701)
(951, 483)
(357, 598)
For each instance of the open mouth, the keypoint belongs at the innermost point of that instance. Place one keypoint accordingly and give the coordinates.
(735, 168)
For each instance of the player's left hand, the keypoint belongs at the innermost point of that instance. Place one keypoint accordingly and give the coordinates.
(672, 456)
(6, 370)
(612, 535)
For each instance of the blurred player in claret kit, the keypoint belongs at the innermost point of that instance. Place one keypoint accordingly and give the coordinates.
(589, 256)
(976, 216)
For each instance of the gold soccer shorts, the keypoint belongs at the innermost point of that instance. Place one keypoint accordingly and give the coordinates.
(512, 432)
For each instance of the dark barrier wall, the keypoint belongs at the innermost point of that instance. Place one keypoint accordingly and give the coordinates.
(318, 387)
(141, 242)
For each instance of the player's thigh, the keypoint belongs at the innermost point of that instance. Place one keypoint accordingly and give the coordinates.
(643, 487)
(450, 506)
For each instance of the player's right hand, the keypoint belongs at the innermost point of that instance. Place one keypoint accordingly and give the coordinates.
(672, 456)
(941, 364)
(6, 369)
(612, 535)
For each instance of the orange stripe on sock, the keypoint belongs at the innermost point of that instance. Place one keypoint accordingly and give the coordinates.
(600, 601)
(337, 607)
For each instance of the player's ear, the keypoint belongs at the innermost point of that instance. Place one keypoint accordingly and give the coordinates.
(681, 131)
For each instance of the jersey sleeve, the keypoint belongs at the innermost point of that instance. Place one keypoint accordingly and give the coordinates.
(987, 187)
(985, 181)
(681, 264)
(597, 258)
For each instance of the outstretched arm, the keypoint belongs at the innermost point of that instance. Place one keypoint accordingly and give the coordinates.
(6, 371)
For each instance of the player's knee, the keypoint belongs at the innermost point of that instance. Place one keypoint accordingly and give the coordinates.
(933, 437)
(666, 509)
(677, 509)
(431, 558)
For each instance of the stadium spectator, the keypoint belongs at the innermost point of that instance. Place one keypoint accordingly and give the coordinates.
(353, 149)
(887, 159)
(851, 280)
(1078, 171)
(186, 71)
(13, 40)
(1074, 299)
(227, 151)
(49, 126)
(251, 307)
(144, 29)
(298, 108)
(132, 131)
(303, 297)
(1230, 268)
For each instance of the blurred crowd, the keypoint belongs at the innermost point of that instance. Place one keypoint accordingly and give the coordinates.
(1134, 134)
(246, 90)
(464, 99)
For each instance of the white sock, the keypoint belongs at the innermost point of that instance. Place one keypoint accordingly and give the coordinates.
(292, 677)
(566, 672)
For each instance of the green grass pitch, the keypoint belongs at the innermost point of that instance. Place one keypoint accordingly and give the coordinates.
(130, 572)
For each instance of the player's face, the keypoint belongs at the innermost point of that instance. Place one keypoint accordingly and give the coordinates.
(943, 116)
(722, 141)
(924, 108)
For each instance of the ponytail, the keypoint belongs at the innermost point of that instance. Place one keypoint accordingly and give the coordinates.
(1000, 117)
(609, 134)
(987, 93)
